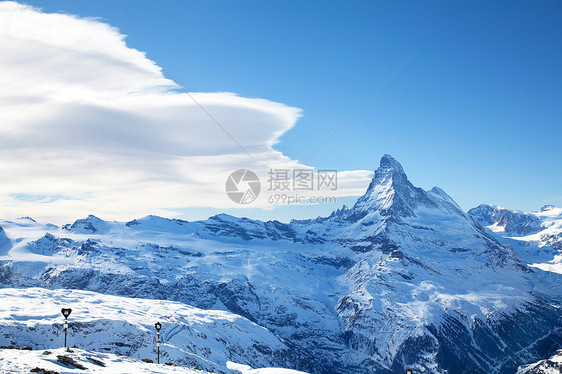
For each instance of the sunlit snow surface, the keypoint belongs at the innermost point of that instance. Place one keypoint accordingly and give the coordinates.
(245, 369)
(191, 336)
(551, 229)
(17, 362)
(13, 361)
(536, 236)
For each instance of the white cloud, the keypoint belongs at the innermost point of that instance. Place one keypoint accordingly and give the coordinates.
(89, 125)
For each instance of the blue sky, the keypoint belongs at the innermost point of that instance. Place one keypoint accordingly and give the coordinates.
(476, 111)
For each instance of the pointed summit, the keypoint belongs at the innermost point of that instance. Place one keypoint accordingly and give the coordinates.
(389, 162)
(388, 188)
(390, 168)
(391, 195)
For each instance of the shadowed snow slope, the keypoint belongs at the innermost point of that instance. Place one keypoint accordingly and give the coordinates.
(403, 279)
(5, 244)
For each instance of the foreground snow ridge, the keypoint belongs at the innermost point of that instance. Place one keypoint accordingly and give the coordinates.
(245, 369)
(16, 361)
(192, 336)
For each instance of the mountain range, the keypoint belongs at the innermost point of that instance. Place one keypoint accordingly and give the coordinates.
(403, 279)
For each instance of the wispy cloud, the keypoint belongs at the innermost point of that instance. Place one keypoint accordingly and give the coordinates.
(90, 125)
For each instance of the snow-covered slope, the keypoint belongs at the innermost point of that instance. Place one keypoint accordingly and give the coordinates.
(431, 282)
(552, 365)
(535, 236)
(15, 361)
(543, 227)
(245, 369)
(5, 244)
(22, 361)
(192, 337)
(403, 279)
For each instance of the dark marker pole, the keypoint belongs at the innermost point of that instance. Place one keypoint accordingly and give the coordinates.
(65, 312)
(158, 326)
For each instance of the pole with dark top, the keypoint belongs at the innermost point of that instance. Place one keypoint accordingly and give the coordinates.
(409, 371)
(158, 326)
(65, 312)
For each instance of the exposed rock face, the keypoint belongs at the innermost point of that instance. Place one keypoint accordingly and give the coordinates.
(514, 222)
(552, 365)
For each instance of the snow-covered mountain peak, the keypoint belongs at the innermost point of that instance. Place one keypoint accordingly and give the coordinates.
(388, 162)
(550, 211)
(388, 184)
(390, 172)
(223, 217)
(547, 208)
(88, 225)
(391, 195)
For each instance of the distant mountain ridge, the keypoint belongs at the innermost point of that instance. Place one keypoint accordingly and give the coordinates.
(552, 365)
(546, 223)
(402, 279)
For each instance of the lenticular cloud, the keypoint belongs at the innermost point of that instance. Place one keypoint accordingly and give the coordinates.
(89, 124)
